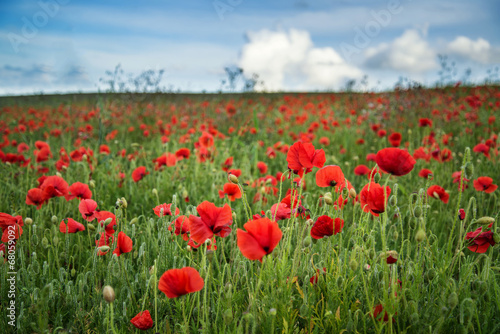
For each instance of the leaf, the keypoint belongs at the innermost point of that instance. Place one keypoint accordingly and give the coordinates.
(299, 289)
(337, 314)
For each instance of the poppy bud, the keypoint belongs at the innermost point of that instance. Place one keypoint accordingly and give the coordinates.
(340, 281)
(45, 242)
(354, 265)
(108, 294)
(414, 318)
(124, 202)
(393, 201)
(73, 272)
(108, 221)
(152, 270)
(54, 219)
(420, 236)
(155, 192)
(452, 300)
(55, 240)
(232, 178)
(28, 221)
(234, 215)
(103, 249)
(307, 241)
(228, 316)
(395, 235)
(91, 227)
(328, 198)
(496, 238)
(366, 267)
(352, 193)
(485, 220)
(134, 220)
(417, 212)
(461, 214)
(272, 312)
(92, 184)
(58, 174)
(210, 255)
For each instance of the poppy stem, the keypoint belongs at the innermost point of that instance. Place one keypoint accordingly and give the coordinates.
(156, 302)
(128, 282)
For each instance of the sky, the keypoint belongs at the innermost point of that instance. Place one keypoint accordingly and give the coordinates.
(58, 46)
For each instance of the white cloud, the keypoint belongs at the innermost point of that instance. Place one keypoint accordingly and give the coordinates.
(289, 60)
(479, 50)
(410, 53)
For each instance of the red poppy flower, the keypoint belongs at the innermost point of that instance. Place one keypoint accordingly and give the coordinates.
(232, 191)
(260, 238)
(183, 153)
(166, 210)
(395, 139)
(422, 122)
(377, 311)
(102, 216)
(262, 167)
(79, 190)
(179, 282)
(461, 214)
(212, 220)
(330, 176)
(227, 164)
(482, 148)
(371, 157)
(88, 208)
(139, 173)
(6, 221)
(142, 321)
(361, 170)
(281, 211)
(302, 157)
(396, 161)
(485, 183)
(438, 193)
(314, 279)
(105, 239)
(70, 226)
(36, 197)
(425, 173)
(326, 226)
(372, 198)
(54, 186)
(123, 244)
(181, 225)
(206, 140)
(480, 241)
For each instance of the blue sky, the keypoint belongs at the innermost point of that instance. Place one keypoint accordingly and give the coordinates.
(67, 45)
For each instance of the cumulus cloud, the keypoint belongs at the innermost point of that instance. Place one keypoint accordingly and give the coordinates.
(409, 53)
(479, 50)
(289, 60)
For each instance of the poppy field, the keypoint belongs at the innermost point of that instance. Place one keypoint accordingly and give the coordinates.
(251, 213)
